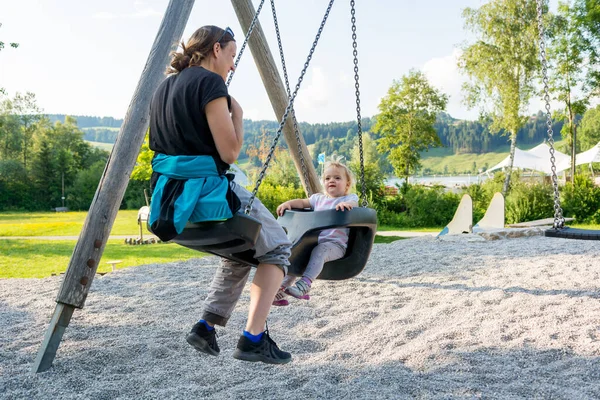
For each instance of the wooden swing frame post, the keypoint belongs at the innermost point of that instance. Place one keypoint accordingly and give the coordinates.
(105, 205)
(276, 91)
(111, 188)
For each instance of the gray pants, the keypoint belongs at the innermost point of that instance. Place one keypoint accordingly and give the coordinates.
(272, 247)
(322, 253)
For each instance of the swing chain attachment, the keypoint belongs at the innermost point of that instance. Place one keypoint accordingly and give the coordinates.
(559, 220)
(250, 29)
(364, 201)
(289, 93)
(287, 111)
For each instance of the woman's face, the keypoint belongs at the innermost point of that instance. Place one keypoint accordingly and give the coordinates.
(225, 58)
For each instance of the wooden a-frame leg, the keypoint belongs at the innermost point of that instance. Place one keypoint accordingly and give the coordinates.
(56, 329)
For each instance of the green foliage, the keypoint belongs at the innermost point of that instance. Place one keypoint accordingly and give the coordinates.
(589, 131)
(581, 200)
(48, 155)
(502, 63)
(15, 188)
(81, 192)
(142, 171)
(406, 121)
(134, 195)
(418, 206)
(566, 54)
(587, 17)
(529, 202)
(430, 206)
(272, 196)
(373, 167)
(282, 170)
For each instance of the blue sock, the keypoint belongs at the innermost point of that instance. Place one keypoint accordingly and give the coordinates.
(253, 338)
(210, 328)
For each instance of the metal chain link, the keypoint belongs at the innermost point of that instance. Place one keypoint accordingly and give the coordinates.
(287, 110)
(250, 29)
(364, 201)
(559, 221)
(289, 93)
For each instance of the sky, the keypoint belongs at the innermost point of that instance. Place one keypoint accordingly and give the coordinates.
(86, 57)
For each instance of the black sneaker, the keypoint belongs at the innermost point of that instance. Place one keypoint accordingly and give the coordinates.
(203, 340)
(265, 350)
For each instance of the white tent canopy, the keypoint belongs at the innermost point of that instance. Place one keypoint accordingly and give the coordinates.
(587, 157)
(542, 150)
(525, 160)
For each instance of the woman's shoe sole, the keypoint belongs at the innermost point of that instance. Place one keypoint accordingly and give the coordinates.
(200, 344)
(253, 357)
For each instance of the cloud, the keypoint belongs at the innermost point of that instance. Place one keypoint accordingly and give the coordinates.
(444, 75)
(316, 93)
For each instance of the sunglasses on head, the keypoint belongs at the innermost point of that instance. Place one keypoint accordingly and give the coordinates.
(227, 30)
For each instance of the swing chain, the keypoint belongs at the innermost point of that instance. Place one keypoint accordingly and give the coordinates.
(289, 93)
(559, 220)
(287, 111)
(364, 202)
(250, 29)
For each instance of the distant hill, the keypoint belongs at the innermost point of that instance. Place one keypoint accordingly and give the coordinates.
(457, 136)
(95, 129)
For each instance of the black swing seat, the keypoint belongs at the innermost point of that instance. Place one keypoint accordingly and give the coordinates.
(573, 233)
(236, 235)
(303, 228)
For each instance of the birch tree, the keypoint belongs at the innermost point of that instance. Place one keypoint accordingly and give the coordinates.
(501, 65)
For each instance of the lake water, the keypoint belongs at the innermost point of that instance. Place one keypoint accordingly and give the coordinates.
(448, 181)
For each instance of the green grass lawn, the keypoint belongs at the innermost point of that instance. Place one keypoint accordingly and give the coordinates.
(387, 239)
(28, 258)
(101, 145)
(438, 158)
(62, 224)
(384, 228)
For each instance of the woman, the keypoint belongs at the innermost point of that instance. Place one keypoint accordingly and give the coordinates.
(196, 131)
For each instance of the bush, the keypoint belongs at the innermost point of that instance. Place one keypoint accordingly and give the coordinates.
(529, 202)
(272, 196)
(429, 207)
(581, 200)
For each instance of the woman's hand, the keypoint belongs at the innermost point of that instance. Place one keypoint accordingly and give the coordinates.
(236, 109)
(344, 205)
(282, 207)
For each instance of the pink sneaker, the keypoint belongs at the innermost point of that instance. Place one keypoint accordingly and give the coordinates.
(300, 289)
(280, 298)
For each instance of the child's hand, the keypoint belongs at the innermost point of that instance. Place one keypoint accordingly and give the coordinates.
(282, 207)
(345, 205)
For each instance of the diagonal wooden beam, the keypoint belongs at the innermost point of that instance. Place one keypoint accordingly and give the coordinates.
(105, 205)
(275, 89)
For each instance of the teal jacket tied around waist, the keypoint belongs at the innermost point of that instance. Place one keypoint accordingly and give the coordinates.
(189, 188)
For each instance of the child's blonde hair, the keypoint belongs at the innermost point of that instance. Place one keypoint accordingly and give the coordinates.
(347, 172)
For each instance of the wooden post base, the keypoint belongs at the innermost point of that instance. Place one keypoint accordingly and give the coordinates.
(59, 322)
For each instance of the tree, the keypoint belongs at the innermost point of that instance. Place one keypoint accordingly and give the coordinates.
(501, 64)
(590, 128)
(282, 171)
(14, 46)
(587, 17)
(374, 165)
(44, 176)
(406, 121)
(143, 165)
(566, 54)
(28, 114)
(10, 131)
